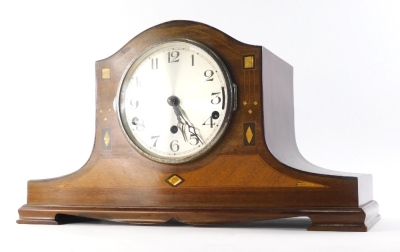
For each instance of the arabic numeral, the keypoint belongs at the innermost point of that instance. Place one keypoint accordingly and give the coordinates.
(156, 139)
(174, 146)
(216, 99)
(173, 57)
(154, 63)
(134, 104)
(209, 75)
(138, 123)
(209, 121)
(138, 81)
(195, 138)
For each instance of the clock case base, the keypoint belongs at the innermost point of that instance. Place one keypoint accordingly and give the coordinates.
(255, 172)
(323, 219)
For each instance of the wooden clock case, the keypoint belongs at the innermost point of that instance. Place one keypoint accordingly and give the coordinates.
(254, 173)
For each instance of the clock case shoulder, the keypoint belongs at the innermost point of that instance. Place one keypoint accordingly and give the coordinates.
(254, 173)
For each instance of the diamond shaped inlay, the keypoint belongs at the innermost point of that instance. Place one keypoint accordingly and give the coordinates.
(249, 134)
(174, 180)
(106, 139)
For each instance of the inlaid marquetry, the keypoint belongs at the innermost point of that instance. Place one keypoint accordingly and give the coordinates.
(106, 143)
(175, 180)
(105, 73)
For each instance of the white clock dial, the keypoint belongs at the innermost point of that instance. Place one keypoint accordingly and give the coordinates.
(175, 101)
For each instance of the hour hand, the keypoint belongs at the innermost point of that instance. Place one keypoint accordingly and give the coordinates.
(181, 126)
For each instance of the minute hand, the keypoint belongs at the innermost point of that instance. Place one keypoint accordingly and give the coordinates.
(180, 114)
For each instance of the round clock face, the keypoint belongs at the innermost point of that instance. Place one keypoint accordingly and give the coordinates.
(175, 101)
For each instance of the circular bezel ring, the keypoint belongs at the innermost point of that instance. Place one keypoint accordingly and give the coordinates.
(229, 105)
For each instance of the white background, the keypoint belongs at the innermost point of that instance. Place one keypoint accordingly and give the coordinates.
(346, 59)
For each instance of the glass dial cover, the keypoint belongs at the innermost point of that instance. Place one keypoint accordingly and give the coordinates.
(175, 101)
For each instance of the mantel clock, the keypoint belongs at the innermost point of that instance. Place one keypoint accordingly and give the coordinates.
(195, 126)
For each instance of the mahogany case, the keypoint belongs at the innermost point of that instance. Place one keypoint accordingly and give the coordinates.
(255, 172)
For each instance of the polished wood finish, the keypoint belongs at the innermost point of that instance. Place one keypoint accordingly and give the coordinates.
(234, 182)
